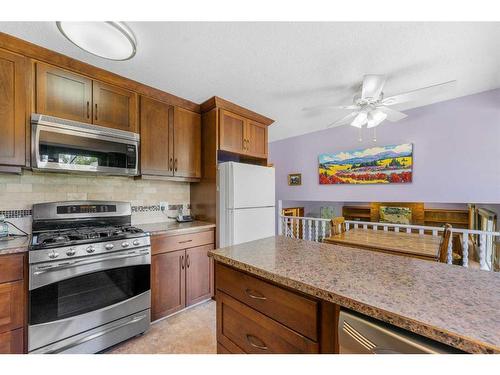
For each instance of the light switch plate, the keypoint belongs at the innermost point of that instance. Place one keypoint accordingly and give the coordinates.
(163, 206)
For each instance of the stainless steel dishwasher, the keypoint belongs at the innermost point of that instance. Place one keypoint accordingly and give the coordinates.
(359, 334)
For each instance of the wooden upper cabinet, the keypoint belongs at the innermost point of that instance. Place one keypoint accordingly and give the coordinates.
(156, 138)
(63, 94)
(231, 132)
(13, 96)
(187, 143)
(256, 139)
(114, 107)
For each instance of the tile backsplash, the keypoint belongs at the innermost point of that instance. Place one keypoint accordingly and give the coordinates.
(19, 192)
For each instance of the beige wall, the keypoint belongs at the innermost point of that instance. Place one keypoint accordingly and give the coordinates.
(20, 192)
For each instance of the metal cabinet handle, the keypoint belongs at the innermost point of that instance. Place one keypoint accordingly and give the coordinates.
(175, 165)
(96, 111)
(255, 295)
(170, 164)
(256, 342)
(186, 241)
(187, 261)
(88, 109)
(182, 261)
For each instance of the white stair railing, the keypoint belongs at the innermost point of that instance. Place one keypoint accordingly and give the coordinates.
(316, 229)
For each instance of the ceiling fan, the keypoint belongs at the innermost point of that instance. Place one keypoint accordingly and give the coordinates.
(371, 108)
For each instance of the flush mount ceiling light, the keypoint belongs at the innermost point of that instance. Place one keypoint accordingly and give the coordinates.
(109, 40)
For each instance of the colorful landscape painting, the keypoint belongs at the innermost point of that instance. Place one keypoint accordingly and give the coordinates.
(375, 165)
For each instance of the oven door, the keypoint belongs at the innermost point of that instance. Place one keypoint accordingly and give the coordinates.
(71, 297)
(59, 148)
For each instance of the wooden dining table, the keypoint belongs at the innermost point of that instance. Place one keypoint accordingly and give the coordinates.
(423, 246)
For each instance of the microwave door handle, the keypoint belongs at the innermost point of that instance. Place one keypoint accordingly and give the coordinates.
(90, 261)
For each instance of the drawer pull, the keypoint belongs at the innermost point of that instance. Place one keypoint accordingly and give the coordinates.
(255, 295)
(256, 342)
(186, 241)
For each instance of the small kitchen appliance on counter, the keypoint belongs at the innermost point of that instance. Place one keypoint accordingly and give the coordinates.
(89, 277)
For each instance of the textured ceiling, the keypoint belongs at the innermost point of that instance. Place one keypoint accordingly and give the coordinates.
(278, 68)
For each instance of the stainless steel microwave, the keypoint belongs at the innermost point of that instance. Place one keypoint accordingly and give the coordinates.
(61, 145)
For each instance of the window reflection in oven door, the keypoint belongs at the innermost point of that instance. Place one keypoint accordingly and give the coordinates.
(72, 297)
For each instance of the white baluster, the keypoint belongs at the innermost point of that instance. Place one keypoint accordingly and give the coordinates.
(303, 229)
(347, 226)
(297, 228)
(355, 225)
(465, 249)
(310, 230)
(385, 228)
(316, 232)
(408, 230)
(396, 229)
(482, 253)
(434, 232)
(375, 227)
(420, 231)
(449, 258)
(323, 229)
(365, 226)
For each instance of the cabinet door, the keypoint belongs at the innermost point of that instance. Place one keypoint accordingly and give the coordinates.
(198, 274)
(63, 94)
(156, 140)
(114, 107)
(231, 132)
(11, 306)
(168, 283)
(256, 139)
(12, 342)
(12, 108)
(187, 143)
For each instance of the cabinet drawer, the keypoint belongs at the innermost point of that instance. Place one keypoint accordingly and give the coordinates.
(12, 342)
(254, 332)
(162, 244)
(293, 310)
(11, 306)
(11, 268)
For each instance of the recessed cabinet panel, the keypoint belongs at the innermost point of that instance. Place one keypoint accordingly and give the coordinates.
(63, 94)
(156, 149)
(12, 108)
(114, 107)
(198, 274)
(256, 139)
(187, 143)
(231, 132)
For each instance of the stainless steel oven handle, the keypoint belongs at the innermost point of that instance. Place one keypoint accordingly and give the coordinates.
(96, 335)
(90, 261)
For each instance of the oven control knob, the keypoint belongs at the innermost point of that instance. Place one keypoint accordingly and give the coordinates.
(109, 246)
(71, 252)
(125, 244)
(53, 255)
(136, 243)
(90, 249)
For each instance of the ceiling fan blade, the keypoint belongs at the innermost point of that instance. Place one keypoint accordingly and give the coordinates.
(372, 86)
(344, 120)
(392, 115)
(418, 94)
(324, 106)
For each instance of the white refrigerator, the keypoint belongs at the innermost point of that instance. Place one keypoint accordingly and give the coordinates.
(246, 200)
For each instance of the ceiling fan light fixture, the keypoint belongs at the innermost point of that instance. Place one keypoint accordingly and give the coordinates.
(109, 40)
(359, 120)
(375, 118)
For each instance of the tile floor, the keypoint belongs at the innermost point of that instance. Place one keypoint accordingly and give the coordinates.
(188, 332)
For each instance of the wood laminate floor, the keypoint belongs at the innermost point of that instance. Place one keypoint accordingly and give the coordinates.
(188, 332)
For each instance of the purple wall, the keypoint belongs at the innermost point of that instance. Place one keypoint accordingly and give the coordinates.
(456, 155)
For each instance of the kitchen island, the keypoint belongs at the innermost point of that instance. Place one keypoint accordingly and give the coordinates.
(294, 289)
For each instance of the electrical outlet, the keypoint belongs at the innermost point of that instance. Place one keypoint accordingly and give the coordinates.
(163, 206)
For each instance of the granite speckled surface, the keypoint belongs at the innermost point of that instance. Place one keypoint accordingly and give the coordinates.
(174, 228)
(451, 304)
(14, 245)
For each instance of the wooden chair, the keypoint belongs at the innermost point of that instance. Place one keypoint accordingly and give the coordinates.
(338, 225)
(443, 246)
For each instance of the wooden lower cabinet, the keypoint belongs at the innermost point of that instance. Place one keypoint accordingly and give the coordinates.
(12, 304)
(180, 277)
(256, 316)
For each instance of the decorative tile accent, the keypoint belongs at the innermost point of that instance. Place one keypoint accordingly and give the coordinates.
(156, 208)
(15, 214)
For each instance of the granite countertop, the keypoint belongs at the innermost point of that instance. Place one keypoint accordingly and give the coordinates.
(14, 245)
(175, 228)
(451, 304)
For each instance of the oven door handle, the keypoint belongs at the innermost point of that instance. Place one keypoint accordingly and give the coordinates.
(90, 261)
(96, 335)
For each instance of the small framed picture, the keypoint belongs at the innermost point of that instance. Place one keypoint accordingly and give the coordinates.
(295, 179)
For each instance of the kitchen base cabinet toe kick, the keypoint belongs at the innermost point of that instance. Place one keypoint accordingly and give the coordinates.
(255, 316)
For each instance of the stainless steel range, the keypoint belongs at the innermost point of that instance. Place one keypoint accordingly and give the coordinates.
(89, 277)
